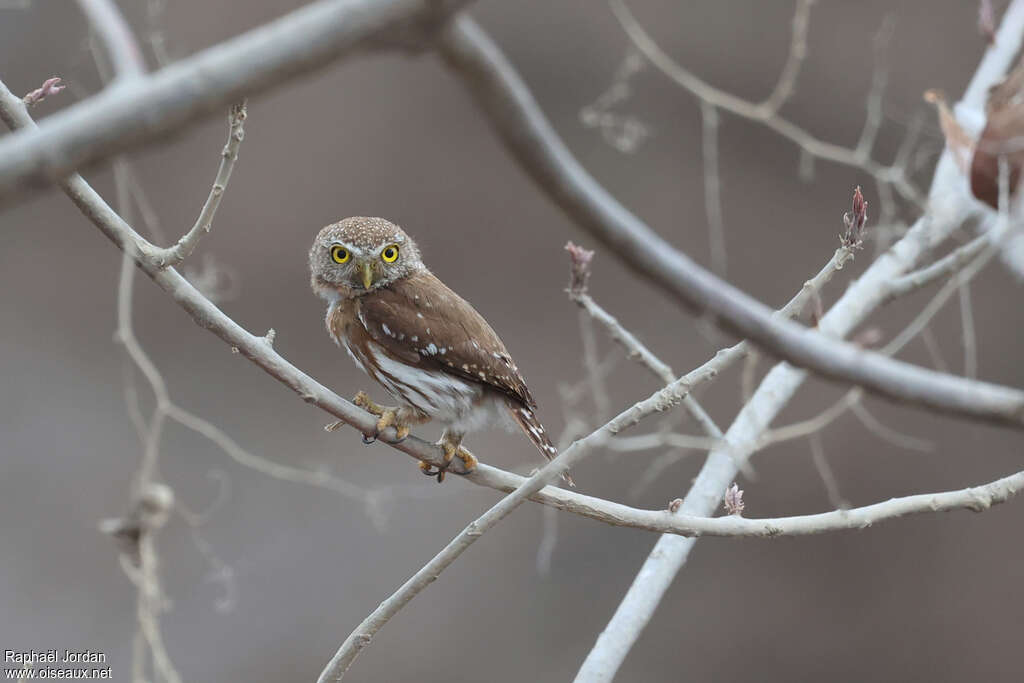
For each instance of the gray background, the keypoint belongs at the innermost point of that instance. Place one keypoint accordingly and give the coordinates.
(933, 598)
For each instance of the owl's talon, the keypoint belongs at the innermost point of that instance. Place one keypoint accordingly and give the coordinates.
(362, 399)
(450, 443)
(469, 460)
(401, 434)
(399, 418)
(425, 469)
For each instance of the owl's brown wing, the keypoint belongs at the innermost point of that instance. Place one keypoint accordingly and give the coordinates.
(421, 321)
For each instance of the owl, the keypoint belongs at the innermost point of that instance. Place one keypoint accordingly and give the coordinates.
(426, 345)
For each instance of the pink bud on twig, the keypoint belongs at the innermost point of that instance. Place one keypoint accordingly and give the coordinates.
(579, 268)
(987, 20)
(733, 500)
(51, 86)
(855, 221)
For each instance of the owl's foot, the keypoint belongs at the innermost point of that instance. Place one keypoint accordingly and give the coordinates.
(451, 444)
(399, 418)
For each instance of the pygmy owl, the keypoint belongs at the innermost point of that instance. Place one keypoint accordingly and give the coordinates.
(426, 345)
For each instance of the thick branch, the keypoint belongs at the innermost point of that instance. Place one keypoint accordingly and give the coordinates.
(165, 101)
(510, 107)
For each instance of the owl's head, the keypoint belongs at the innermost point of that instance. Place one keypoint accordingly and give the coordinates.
(359, 254)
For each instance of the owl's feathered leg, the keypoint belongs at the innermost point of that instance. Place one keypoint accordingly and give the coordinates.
(398, 417)
(451, 442)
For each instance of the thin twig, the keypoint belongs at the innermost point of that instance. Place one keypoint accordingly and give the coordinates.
(761, 113)
(931, 345)
(174, 255)
(794, 61)
(828, 477)
(113, 31)
(713, 188)
(948, 264)
(879, 79)
(592, 365)
(635, 349)
(896, 438)
(968, 333)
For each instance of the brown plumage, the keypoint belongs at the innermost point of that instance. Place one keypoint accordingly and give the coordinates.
(426, 345)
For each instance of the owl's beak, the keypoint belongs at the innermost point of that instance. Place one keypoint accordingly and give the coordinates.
(366, 268)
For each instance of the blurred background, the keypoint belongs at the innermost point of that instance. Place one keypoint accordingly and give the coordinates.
(281, 572)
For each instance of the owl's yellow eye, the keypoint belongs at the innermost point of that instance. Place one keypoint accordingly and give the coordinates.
(390, 253)
(340, 254)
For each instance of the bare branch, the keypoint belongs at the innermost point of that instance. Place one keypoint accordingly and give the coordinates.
(658, 520)
(117, 38)
(268, 467)
(571, 456)
(164, 101)
(256, 349)
(595, 377)
(529, 137)
(713, 188)
(762, 113)
(968, 334)
(643, 442)
(579, 274)
(941, 297)
(635, 349)
(174, 255)
(828, 477)
(683, 524)
(898, 439)
(947, 265)
(879, 79)
(931, 345)
(797, 52)
(811, 425)
(670, 552)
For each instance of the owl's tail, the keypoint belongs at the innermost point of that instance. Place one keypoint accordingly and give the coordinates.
(533, 428)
